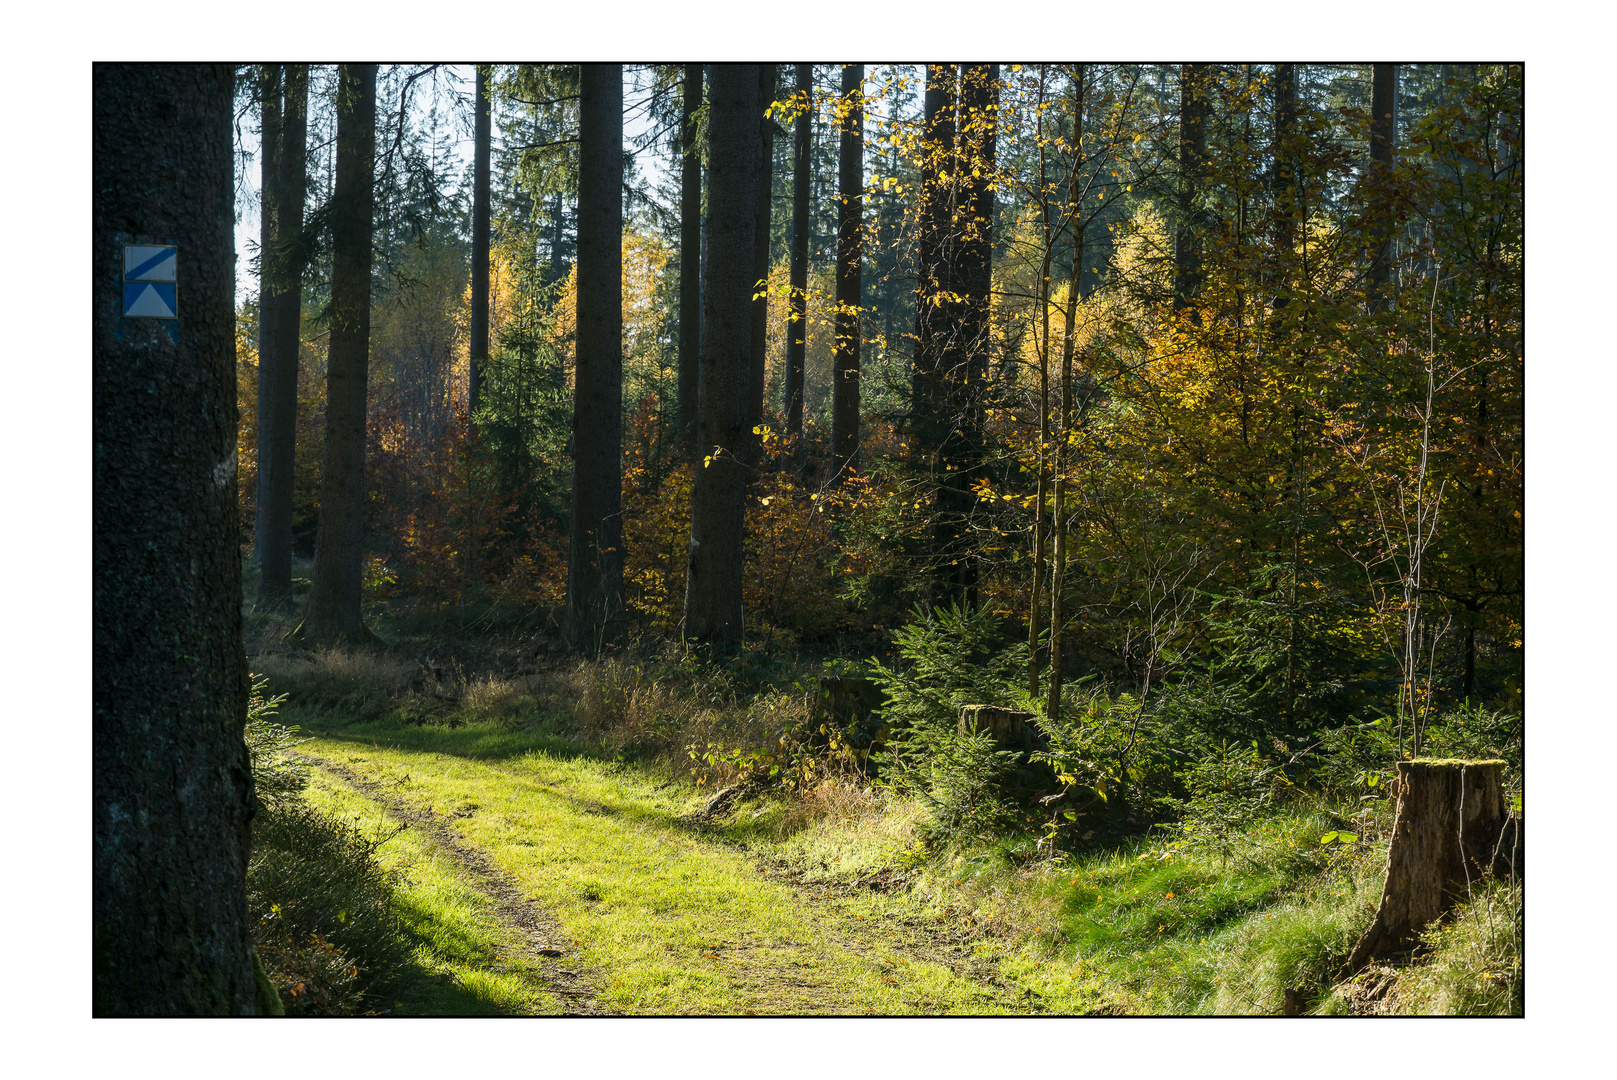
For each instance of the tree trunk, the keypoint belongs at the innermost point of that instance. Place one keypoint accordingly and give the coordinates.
(1194, 108)
(713, 609)
(690, 254)
(797, 331)
(978, 155)
(1285, 180)
(1069, 341)
(845, 389)
(595, 552)
(278, 356)
(171, 787)
(269, 182)
(1449, 830)
(1383, 147)
(478, 348)
(760, 266)
(934, 263)
(334, 598)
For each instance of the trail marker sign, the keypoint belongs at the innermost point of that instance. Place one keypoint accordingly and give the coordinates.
(150, 282)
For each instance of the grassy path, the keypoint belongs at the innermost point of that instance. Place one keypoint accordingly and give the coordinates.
(605, 897)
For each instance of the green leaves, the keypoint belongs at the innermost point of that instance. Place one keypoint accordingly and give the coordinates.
(1338, 837)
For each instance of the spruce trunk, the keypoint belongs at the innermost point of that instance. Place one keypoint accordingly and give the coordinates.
(595, 552)
(690, 254)
(269, 182)
(760, 268)
(478, 347)
(797, 330)
(171, 793)
(1383, 148)
(845, 388)
(1449, 831)
(334, 598)
(278, 362)
(713, 609)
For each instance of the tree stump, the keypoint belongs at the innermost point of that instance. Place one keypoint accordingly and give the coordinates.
(1011, 729)
(1447, 833)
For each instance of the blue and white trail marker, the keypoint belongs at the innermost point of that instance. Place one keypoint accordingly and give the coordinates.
(150, 283)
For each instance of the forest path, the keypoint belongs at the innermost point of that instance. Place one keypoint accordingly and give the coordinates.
(649, 912)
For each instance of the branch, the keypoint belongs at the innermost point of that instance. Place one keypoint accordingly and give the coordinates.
(544, 145)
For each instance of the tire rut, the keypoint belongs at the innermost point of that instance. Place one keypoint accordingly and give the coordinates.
(542, 940)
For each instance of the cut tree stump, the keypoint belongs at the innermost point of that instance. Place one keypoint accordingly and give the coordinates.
(1449, 830)
(1011, 729)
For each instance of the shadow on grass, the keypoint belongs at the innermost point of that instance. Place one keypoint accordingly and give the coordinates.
(475, 741)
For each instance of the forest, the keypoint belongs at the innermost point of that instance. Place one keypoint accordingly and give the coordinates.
(803, 539)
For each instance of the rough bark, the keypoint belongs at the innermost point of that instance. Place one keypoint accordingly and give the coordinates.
(171, 788)
(1285, 180)
(594, 614)
(278, 358)
(760, 264)
(690, 254)
(969, 337)
(713, 610)
(269, 181)
(478, 347)
(934, 261)
(1449, 831)
(334, 597)
(1383, 147)
(845, 376)
(1194, 108)
(797, 331)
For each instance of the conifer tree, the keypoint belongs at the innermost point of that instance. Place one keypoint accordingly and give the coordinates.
(845, 372)
(172, 793)
(797, 329)
(595, 550)
(478, 347)
(713, 608)
(333, 613)
(690, 252)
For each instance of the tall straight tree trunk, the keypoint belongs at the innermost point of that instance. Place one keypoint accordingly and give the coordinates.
(850, 212)
(278, 357)
(797, 329)
(1194, 108)
(713, 610)
(1060, 516)
(172, 793)
(1285, 180)
(595, 551)
(760, 265)
(334, 597)
(1383, 147)
(478, 349)
(690, 254)
(934, 257)
(976, 161)
(269, 183)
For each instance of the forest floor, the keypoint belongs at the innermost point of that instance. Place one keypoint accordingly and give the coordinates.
(545, 863)
(601, 891)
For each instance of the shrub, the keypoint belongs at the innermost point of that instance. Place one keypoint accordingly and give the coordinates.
(319, 902)
(950, 658)
(321, 910)
(276, 777)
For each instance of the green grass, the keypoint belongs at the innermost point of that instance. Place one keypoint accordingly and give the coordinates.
(676, 916)
(472, 964)
(673, 922)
